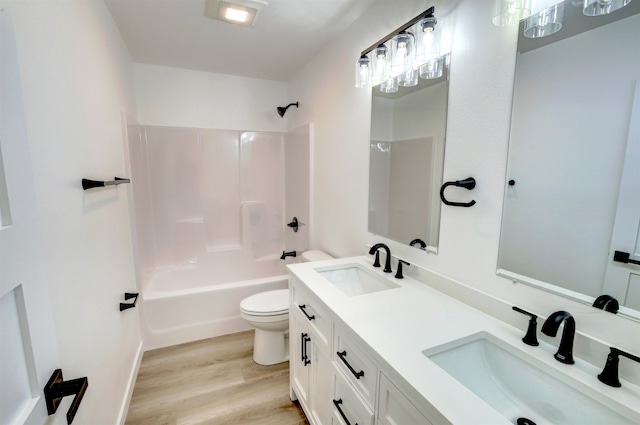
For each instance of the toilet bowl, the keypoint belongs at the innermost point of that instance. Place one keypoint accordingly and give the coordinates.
(268, 313)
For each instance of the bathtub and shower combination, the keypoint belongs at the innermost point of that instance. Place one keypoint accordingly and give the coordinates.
(209, 224)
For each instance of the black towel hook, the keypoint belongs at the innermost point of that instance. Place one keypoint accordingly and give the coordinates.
(468, 183)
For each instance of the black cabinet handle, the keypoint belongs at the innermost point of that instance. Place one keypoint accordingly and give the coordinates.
(337, 403)
(302, 307)
(342, 355)
(303, 348)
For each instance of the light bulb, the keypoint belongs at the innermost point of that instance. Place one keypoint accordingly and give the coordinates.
(363, 78)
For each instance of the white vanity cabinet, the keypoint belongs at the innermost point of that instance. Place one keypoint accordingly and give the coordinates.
(309, 351)
(334, 375)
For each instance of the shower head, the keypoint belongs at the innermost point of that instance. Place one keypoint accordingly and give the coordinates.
(283, 109)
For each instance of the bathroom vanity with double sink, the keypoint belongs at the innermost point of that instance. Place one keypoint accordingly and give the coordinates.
(367, 348)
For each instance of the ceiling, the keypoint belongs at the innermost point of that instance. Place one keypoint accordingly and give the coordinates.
(287, 35)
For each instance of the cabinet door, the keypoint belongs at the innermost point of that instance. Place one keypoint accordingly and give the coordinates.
(322, 394)
(300, 359)
(394, 408)
(348, 406)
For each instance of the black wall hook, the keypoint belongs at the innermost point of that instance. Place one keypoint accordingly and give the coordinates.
(56, 389)
(90, 184)
(468, 183)
(128, 296)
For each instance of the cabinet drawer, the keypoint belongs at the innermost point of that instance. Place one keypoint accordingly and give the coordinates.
(394, 408)
(361, 372)
(348, 407)
(314, 313)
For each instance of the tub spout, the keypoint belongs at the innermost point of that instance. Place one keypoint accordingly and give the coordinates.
(287, 254)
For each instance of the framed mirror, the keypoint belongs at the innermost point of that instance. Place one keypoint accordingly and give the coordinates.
(573, 194)
(406, 161)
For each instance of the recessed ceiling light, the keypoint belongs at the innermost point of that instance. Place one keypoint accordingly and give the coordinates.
(243, 12)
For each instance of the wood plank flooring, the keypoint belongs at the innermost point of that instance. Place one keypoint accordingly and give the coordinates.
(213, 381)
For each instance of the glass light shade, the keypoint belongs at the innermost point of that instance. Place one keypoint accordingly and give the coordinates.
(408, 79)
(402, 53)
(380, 65)
(546, 22)
(363, 73)
(510, 12)
(389, 86)
(427, 40)
(432, 69)
(602, 7)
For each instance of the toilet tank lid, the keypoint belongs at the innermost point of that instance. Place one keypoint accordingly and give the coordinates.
(316, 255)
(269, 302)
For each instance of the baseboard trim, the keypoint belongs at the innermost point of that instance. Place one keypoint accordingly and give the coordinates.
(122, 416)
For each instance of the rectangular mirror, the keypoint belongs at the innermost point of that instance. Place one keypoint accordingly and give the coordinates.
(574, 146)
(406, 161)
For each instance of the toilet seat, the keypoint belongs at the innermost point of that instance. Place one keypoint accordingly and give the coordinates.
(270, 303)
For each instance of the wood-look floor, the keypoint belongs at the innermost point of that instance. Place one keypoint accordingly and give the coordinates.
(213, 381)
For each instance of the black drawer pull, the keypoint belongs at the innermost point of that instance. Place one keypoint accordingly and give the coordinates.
(337, 403)
(342, 356)
(302, 307)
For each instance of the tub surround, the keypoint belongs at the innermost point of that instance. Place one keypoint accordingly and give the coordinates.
(397, 325)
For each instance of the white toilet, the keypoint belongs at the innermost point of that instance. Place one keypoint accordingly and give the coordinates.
(268, 312)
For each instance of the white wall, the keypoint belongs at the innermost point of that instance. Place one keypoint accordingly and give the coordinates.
(184, 98)
(77, 80)
(481, 80)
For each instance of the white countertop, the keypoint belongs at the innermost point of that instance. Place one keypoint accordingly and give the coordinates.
(400, 323)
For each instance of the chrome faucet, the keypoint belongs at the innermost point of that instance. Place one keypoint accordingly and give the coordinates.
(387, 264)
(550, 328)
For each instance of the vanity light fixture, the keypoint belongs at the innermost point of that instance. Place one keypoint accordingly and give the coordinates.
(549, 13)
(544, 23)
(509, 12)
(398, 58)
(602, 7)
(242, 12)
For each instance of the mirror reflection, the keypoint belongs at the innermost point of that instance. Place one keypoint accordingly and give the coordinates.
(406, 161)
(573, 197)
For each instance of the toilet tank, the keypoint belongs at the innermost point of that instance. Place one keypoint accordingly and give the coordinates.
(313, 255)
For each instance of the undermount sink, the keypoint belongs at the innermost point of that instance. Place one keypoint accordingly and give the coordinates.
(354, 279)
(516, 388)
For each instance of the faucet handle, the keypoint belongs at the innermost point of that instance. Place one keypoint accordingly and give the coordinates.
(530, 337)
(399, 271)
(609, 374)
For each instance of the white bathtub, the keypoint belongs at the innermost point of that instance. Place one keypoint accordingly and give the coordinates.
(186, 304)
